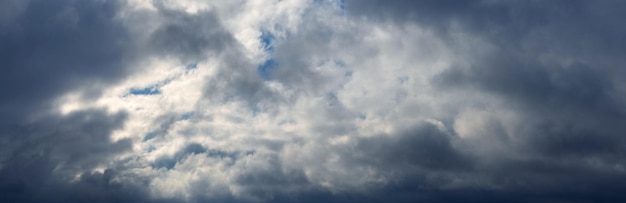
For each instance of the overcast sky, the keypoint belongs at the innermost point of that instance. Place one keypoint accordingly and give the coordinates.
(252, 101)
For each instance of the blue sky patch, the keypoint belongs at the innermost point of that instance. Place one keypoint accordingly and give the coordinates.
(265, 68)
(348, 74)
(186, 116)
(149, 136)
(191, 66)
(153, 90)
(267, 41)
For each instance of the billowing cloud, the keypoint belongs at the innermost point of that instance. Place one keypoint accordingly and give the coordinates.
(312, 101)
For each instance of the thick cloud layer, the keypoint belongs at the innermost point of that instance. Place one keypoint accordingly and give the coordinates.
(312, 101)
(51, 47)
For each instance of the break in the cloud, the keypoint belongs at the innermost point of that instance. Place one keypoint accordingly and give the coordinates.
(312, 101)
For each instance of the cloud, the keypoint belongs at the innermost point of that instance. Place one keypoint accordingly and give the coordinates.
(189, 37)
(309, 101)
(51, 159)
(50, 49)
(53, 47)
(537, 64)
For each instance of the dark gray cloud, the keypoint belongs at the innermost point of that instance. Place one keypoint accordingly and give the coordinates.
(580, 29)
(48, 48)
(425, 147)
(189, 37)
(41, 159)
(570, 131)
(53, 47)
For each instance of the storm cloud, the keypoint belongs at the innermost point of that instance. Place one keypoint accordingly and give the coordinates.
(312, 101)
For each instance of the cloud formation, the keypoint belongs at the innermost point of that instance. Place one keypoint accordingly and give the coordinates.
(312, 101)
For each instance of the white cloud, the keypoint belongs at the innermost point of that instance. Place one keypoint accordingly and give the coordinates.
(340, 82)
(329, 90)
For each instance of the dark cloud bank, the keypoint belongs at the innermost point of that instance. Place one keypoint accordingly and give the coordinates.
(48, 48)
(572, 134)
(570, 145)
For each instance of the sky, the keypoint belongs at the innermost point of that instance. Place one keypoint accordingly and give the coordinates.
(254, 101)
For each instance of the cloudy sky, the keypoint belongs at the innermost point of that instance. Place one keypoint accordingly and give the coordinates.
(194, 101)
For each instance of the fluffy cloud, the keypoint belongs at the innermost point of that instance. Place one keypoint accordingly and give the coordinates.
(309, 101)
